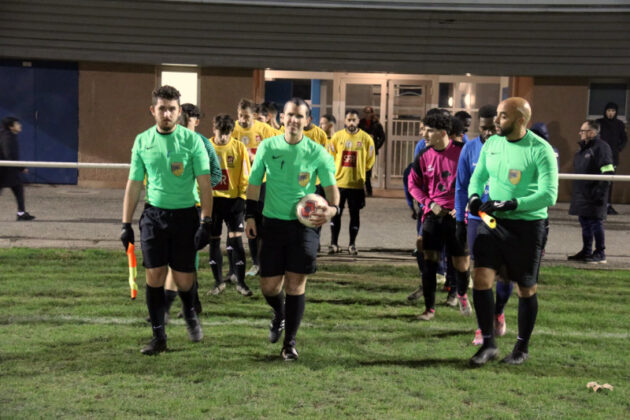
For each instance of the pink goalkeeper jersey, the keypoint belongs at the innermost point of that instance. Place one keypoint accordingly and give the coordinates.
(433, 176)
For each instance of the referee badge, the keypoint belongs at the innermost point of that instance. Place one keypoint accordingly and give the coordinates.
(514, 176)
(177, 168)
(304, 178)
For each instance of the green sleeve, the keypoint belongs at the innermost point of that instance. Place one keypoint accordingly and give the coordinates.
(326, 168)
(546, 192)
(479, 177)
(201, 163)
(137, 170)
(215, 165)
(258, 167)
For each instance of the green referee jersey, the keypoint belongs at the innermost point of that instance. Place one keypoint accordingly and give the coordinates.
(526, 170)
(292, 170)
(171, 163)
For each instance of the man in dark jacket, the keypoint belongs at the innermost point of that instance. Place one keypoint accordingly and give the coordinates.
(10, 175)
(370, 124)
(589, 198)
(613, 132)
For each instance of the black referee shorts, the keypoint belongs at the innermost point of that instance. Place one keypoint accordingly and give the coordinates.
(439, 231)
(517, 244)
(230, 211)
(354, 196)
(168, 237)
(287, 245)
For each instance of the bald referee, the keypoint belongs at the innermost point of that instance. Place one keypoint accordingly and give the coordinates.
(522, 173)
(288, 250)
(171, 157)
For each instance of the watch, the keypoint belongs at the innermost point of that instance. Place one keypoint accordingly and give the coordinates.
(206, 220)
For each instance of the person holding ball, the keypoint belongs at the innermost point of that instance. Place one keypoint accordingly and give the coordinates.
(292, 163)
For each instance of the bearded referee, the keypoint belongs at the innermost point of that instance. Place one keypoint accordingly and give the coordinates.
(522, 173)
(292, 163)
(171, 157)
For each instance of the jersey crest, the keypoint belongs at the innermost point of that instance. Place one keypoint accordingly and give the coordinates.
(245, 140)
(304, 178)
(230, 161)
(514, 176)
(177, 168)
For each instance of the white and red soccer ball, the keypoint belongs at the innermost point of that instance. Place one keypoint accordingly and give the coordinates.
(307, 206)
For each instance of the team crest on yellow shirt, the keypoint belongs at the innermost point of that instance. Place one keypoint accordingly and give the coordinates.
(514, 176)
(348, 145)
(177, 168)
(359, 144)
(245, 140)
(230, 161)
(304, 178)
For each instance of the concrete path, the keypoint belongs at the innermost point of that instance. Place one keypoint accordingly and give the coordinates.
(75, 217)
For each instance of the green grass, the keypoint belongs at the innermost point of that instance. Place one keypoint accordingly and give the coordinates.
(70, 340)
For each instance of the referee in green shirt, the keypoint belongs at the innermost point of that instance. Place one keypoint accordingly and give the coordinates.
(292, 163)
(522, 173)
(171, 158)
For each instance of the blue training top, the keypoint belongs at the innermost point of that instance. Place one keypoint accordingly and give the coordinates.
(465, 168)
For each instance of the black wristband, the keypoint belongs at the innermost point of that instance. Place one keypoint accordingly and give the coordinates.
(206, 220)
(251, 209)
(126, 225)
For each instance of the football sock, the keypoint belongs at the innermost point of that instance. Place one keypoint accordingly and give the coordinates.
(155, 305)
(451, 277)
(277, 304)
(335, 228)
(253, 249)
(294, 313)
(463, 278)
(428, 283)
(527, 312)
(420, 260)
(238, 255)
(169, 297)
(228, 251)
(504, 290)
(484, 308)
(216, 260)
(355, 223)
(188, 300)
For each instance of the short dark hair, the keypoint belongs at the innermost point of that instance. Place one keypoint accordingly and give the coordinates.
(488, 111)
(438, 122)
(7, 122)
(166, 92)
(593, 124)
(435, 111)
(299, 102)
(224, 123)
(457, 127)
(330, 117)
(267, 108)
(245, 103)
(189, 111)
(462, 115)
(256, 109)
(352, 112)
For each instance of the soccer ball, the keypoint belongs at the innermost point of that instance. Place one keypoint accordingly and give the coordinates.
(307, 206)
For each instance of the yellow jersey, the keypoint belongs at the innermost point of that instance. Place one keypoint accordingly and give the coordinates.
(235, 169)
(252, 137)
(354, 156)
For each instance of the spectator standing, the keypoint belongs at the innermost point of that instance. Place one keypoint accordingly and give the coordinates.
(612, 131)
(10, 175)
(370, 124)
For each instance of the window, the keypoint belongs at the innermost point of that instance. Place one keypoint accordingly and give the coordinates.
(602, 93)
(186, 80)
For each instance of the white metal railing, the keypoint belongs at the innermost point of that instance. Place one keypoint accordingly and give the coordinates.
(89, 165)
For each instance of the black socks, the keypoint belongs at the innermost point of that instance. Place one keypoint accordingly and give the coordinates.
(156, 305)
(429, 283)
(527, 312)
(277, 304)
(238, 258)
(294, 313)
(484, 308)
(216, 260)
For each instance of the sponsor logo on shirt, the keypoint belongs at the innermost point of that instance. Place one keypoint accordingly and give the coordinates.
(349, 159)
(348, 144)
(245, 140)
(430, 168)
(224, 185)
(304, 178)
(514, 176)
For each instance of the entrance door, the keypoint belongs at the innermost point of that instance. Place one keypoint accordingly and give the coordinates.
(357, 93)
(406, 106)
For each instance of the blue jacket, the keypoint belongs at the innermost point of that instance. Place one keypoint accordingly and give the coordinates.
(465, 168)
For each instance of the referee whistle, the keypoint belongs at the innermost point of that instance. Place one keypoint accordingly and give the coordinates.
(490, 221)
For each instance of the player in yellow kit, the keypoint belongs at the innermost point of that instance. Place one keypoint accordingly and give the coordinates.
(251, 133)
(354, 154)
(229, 200)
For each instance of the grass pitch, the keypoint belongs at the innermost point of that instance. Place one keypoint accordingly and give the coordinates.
(70, 340)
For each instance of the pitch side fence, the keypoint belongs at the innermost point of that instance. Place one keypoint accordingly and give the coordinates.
(89, 165)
